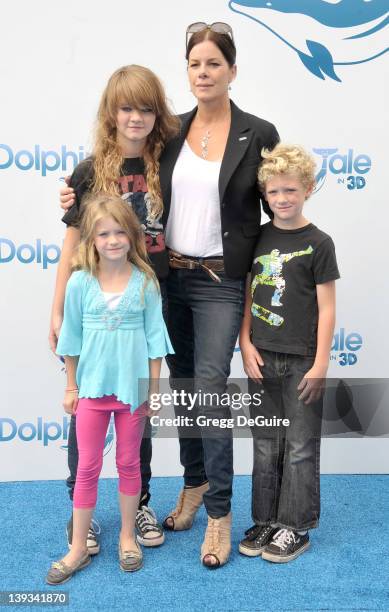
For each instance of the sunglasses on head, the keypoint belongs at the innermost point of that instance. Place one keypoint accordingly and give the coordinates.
(217, 26)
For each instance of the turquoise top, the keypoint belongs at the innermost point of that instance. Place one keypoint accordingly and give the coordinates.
(114, 345)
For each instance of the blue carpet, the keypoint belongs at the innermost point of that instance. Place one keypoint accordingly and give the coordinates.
(346, 568)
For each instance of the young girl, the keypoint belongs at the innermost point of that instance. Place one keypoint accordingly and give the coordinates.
(133, 125)
(112, 336)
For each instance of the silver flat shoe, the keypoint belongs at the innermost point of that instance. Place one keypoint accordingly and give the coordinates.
(59, 572)
(130, 560)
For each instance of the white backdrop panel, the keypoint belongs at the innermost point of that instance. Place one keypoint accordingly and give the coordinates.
(55, 63)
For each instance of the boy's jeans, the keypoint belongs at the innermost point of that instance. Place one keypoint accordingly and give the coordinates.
(286, 470)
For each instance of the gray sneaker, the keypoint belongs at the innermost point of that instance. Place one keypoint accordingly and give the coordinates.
(92, 542)
(149, 531)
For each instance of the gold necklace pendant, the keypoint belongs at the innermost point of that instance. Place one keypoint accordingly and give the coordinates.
(204, 144)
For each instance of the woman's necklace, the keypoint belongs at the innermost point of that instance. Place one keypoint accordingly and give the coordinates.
(205, 138)
(204, 144)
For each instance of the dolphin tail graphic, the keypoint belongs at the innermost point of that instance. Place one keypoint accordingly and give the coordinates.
(320, 61)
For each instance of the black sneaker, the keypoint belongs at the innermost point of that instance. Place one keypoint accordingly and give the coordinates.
(92, 542)
(285, 546)
(257, 537)
(149, 531)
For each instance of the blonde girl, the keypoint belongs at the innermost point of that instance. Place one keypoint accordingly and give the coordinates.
(112, 336)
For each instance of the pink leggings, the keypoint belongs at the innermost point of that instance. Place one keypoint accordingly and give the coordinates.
(92, 420)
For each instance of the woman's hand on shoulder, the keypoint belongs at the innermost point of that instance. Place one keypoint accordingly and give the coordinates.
(70, 402)
(66, 195)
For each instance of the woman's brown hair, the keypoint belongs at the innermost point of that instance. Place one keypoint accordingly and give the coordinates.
(224, 43)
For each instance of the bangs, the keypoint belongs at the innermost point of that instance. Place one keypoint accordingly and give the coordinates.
(134, 91)
(122, 213)
(122, 216)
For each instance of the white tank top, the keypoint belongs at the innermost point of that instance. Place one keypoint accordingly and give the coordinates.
(194, 224)
(112, 299)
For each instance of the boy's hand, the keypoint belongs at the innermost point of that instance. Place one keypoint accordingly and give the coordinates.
(55, 328)
(66, 195)
(312, 385)
(252, 361)
(70, 402)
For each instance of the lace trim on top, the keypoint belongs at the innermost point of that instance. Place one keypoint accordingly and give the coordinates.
(130, 300)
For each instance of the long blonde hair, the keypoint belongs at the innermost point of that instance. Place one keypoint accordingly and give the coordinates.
(106, 205)
(138, 87)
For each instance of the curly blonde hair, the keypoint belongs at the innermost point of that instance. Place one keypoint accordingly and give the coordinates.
(138, 87)
(287, 159)
(106, 205)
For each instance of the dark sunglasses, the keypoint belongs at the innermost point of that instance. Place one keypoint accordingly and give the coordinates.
(217, 26)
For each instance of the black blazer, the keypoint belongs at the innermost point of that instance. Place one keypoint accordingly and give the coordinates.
(238, 190)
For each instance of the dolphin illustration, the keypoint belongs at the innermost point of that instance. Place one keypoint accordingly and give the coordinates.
(324, 34)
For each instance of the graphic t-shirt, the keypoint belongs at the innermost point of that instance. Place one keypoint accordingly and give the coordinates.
(287, 266)
(133, 189)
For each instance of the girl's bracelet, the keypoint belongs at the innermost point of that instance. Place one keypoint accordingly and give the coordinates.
(72, 390)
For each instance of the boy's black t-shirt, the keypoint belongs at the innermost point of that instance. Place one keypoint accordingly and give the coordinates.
(133, 189)
(287, 266)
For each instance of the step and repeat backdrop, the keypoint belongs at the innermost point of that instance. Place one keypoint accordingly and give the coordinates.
(318, 70)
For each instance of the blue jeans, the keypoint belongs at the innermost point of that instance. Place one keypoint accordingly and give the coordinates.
(145, 447)
(286, 469)
(204, 318)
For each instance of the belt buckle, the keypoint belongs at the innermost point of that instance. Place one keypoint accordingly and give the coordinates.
(211, 274)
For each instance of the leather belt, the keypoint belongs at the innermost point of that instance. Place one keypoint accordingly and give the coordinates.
(209, 265)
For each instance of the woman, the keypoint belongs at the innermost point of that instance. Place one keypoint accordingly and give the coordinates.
(212, 221)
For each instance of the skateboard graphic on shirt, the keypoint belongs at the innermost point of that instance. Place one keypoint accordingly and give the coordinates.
(271, 275)
(266, 315)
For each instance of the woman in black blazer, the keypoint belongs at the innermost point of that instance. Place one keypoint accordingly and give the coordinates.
(212, 214)
(238, 189)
